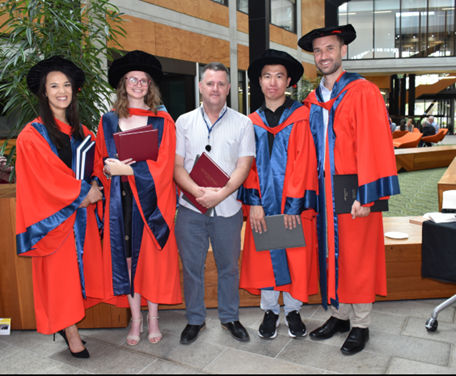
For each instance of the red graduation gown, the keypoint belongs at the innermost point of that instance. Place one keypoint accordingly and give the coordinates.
(47, 201)
(155, 265)
(358, 142)
(283, 183)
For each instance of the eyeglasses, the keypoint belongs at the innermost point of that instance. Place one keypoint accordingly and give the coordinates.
(133, 81)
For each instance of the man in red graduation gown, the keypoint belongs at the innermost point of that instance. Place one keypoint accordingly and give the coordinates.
(342, 109)
(282, 180)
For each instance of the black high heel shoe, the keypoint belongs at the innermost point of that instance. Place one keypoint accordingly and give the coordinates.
(84, 354)
(65, 338)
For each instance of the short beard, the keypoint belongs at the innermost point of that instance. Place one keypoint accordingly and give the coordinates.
(337, 65)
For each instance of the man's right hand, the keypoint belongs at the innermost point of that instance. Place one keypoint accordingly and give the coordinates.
(257, 218)
(92, 197)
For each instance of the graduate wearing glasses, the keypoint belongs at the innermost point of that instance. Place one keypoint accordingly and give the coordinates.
(140, 260)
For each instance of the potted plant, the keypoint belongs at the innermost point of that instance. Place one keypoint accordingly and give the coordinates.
(33, 30)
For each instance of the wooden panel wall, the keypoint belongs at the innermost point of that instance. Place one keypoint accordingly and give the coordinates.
(312, 16)
(16, 285)
(242, 22)
(186, 45)
(2, 20)
(204, 9)
(16, 297)
(282, 36)
(174, 43)
(136, 38)
(309, 70)
(243, 57)
(383, 82)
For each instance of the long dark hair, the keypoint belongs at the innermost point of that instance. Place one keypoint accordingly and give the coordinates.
(71, 114)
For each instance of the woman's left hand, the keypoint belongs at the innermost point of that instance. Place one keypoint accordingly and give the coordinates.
(115, 167)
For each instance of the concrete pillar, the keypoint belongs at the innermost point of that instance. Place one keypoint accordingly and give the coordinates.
(233, 55)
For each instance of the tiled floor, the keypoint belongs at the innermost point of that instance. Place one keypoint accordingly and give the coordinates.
(399, 343)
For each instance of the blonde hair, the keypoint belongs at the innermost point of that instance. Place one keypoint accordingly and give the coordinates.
(152, 98)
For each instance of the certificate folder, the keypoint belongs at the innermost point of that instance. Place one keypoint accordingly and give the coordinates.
(345, 191)
(79, 151)
(87, 161)
(277, 236)
(85, 155)
(140, 144)
(206, 173)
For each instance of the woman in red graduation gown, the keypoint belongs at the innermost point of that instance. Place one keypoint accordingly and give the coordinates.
(56, 222)
(140, 258)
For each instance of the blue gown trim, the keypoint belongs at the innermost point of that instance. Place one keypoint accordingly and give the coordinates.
(137, 234)
(120, 278)
(148, 199)
(373, 191)
(295, 206)
(249, 196)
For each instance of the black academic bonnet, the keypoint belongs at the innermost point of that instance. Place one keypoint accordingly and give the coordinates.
(346, 32)
(294, 68)
(54, 63)
(135, 61)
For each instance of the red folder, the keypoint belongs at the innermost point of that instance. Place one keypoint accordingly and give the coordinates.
(206, 173)
(140, 143)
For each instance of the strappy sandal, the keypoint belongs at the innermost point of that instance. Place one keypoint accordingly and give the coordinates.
(153, 335)
(136, 338)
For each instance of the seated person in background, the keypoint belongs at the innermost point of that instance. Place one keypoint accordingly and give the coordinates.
(401, 126)
(433, 123)
(392, 125)
(410, 125)
(428, 130)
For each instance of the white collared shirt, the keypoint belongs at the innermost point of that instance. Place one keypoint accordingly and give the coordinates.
(326, 94)
(231, 138)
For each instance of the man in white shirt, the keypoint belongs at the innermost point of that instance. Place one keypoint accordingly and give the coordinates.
(228, 138)
(433, 123)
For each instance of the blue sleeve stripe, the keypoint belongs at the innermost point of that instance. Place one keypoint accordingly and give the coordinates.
(295, 206)
(249, 196)
(383, 187)
(39, 230)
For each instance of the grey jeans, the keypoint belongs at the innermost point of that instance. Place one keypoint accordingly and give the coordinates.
(269, 302)
(193, 231)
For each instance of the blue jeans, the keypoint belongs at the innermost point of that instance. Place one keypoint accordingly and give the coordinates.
(193, 231)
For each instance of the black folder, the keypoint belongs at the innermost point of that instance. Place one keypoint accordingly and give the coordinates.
(345, 191)
(277, 236)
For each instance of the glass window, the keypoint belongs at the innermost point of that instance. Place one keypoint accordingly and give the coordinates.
(360, 15)
(413, 28)
(440, 38)
(283, 14)
(385, 28)
(243, 6)
(224, 2)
